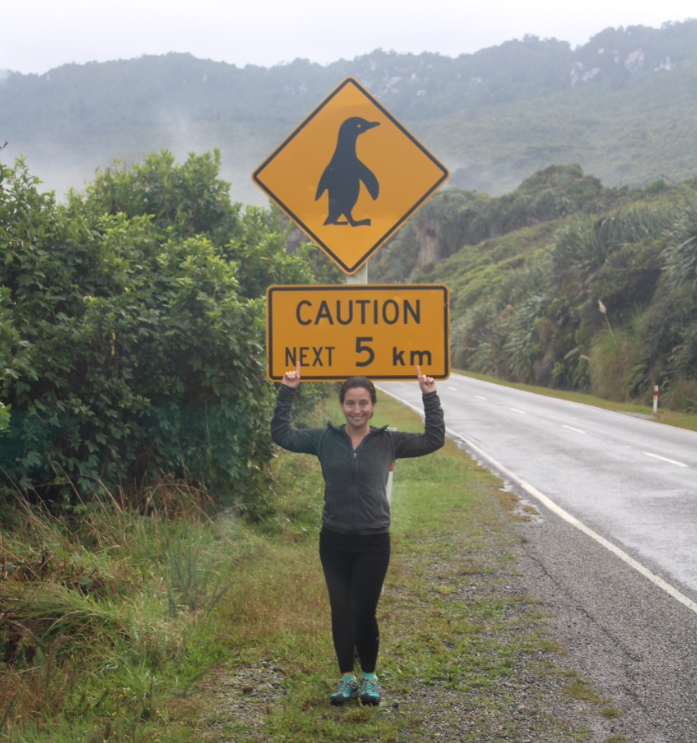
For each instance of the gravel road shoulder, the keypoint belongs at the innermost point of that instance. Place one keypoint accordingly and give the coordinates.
(635, 643)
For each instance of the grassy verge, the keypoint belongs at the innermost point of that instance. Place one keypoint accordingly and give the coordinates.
(464, 650)
(103, 612)
(175, 626)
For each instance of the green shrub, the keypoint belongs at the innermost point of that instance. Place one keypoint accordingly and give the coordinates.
(681, 395)
(136, 344)
(4, 417)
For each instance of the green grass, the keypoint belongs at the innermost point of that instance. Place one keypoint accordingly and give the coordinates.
(177, 612)
(104, 612)
(447, 622)
(581, 690)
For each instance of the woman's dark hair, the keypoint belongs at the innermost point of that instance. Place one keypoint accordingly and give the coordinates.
(353, 382)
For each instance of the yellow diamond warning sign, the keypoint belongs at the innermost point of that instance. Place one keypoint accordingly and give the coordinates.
(350, 175)
(336, 332)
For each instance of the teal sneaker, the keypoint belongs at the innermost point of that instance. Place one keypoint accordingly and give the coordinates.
(370, 691)
(345, 691)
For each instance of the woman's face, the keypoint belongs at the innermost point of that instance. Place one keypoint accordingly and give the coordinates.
(357, 407)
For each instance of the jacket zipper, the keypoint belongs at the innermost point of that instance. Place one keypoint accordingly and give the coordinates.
(355, 490)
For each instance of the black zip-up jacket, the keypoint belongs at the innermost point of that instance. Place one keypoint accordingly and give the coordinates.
(355, 498)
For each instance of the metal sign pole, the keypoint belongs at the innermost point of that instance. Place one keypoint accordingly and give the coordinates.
(360, 277)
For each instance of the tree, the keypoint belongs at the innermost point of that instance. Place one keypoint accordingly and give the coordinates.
(135, 330)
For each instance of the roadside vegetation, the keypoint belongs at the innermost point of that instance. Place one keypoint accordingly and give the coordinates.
(565, 284)
(130, 626)
(134, 409)
(132, 322)
(158, 570)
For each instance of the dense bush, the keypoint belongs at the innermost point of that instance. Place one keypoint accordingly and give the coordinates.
(132, 325)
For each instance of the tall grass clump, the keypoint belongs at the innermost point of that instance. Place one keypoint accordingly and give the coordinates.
(106, 600)
(617, 371)
(681, 256)
(681, 395)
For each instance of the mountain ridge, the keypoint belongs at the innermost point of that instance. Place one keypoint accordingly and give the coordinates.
(624, 106)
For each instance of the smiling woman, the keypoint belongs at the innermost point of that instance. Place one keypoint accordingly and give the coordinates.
(356, 459)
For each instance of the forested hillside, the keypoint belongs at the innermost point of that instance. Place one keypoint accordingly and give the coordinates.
(623, 106)
(565, 283)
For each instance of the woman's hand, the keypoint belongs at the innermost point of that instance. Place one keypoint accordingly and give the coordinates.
(292, 378)
(426, 383)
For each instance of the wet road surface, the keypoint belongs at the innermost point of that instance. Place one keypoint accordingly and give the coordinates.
(613, 553)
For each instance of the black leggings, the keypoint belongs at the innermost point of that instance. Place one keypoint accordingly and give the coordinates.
(354, 582)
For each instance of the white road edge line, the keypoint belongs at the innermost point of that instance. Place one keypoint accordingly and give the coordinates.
(665, 459)
(552, 506)
(571, 428)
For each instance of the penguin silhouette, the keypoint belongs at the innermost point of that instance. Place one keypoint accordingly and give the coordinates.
(343, 176)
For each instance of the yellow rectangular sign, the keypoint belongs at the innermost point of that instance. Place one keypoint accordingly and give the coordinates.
(377, 331)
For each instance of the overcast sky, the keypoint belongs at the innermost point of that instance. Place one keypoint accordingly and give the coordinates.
(39, 35)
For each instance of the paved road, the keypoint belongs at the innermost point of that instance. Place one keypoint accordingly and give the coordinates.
(632, 483)
(632, 480)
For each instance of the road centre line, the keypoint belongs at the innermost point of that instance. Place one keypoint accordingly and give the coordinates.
(571, 428)
(479, 397)
(566, 516)
(665, 459)
(515, 410)
(454, 389)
